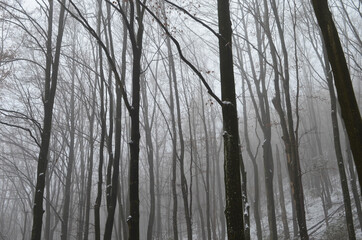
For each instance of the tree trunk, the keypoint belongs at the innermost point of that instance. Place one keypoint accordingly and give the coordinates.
(289, 135)
(81, 198)
(134, 218)
(91, 117)
(233, 210)
(197, 172)
(207, 151)
(101, 81)
(149, 148)
(68, 181)
(353, 180)
(113, 178)
(184, 187)
(51, 77)
(342, 80)
(281, 197)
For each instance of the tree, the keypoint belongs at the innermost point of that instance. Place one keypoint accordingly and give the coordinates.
(342, 80)
(71, 158)
(263, 115)
(339, 156)
(50, 86)
(233, 208)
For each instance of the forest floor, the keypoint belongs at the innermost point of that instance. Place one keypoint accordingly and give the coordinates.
(317, 227)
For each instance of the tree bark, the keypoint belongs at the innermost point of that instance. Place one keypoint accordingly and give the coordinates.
(342, 80)
(233, 209)
(134, 218)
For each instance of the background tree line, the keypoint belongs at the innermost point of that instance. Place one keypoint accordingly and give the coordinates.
(201, 120)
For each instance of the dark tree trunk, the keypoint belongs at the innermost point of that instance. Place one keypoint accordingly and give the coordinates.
(233, 210)
(342, 80)
(113, 178)
(134, 218)
(51, 77)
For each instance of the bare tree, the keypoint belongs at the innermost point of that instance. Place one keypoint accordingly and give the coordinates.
(50, 85)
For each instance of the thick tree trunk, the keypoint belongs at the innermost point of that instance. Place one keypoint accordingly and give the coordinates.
(342, 80)
(134, 218)
(233, 210)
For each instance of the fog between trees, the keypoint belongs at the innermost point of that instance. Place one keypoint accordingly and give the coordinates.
(180, 120)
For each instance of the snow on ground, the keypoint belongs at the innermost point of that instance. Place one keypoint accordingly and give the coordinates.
(314, 216)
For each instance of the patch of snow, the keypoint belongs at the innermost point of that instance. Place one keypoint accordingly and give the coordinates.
(227, 103)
